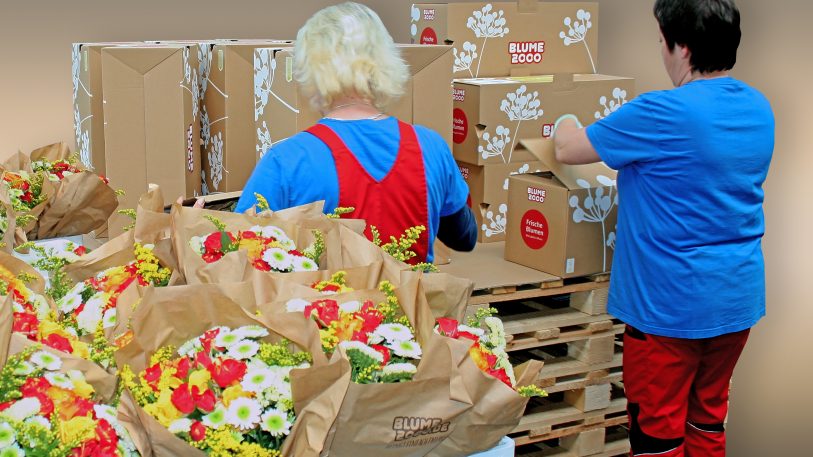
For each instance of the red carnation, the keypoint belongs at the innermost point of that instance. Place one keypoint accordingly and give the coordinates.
(203, 359)
(81, 250)
(182, 399)
(198, 431)
(501, 375)
(447, 327)
(25, 323)
(327, 311)
(248, 235)
(227, 372)
(58, 342)
(182, 368)
(34, 386)
(330, 288)
(152, 375)
(468, 335)
(384, 351)
(205, 401)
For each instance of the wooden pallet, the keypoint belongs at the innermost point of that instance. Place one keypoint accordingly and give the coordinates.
(603, 442)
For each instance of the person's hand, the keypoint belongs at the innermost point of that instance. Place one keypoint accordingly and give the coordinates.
(568, 121)
(198, 203)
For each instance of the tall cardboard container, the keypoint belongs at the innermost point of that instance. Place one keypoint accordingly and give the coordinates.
(492, 116)
(282, 111)
(152, 128)
(511, 38)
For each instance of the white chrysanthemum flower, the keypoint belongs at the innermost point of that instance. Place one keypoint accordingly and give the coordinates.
(272, 231)
(251, 331)
(106, 412)
(258, 380)
(244, 413)
(296, 305)
(243, 350)
(90, 316)
(38, 420)
(276, 422)
(497, 331)
(398, 368)
(24, 369)
(278, 259)
(190, 348)
(12, 451)
(394, 332)
(409, 349)
(350, 307)
(302, 263)
(226, 339)
(7, 435)
(109, 318)
(46, 360)
(72, 299)
(196, 243)
(363, 348)
(182, 425)
(476, 331)
(60, 380)
(41, 306)
(22, 409)
(216, 418)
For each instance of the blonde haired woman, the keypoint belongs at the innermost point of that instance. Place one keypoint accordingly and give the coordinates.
(395, 175)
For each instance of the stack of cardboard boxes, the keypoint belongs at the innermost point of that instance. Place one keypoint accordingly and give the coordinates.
(520, 66)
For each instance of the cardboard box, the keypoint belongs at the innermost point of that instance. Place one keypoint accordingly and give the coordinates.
(491, 116)
(562, 222)
(228, 135)
(511, 38)
(152, 128)
(282, 111)
(488, 194)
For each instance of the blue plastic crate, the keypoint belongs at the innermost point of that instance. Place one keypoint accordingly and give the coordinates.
(505, 448)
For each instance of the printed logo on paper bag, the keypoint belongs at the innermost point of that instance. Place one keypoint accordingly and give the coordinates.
(523, 52)
(534, 229)
(428, 36)
(418, 431)
(460, 127)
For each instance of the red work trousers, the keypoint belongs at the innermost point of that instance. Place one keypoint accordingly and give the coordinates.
(677, 392)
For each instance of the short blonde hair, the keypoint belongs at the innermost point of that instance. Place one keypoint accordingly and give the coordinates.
(345, 50)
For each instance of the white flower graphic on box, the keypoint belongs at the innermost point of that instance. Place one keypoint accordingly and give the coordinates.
(204, 66)
(609, 106)
(485, 23)
(204, 188)
(518, 106)
(190, 82)
(264, 139)
(495, 144)
(577, 32)
(265, 70)
(415, 16)
(525, 168)
(216, 161)
(596, 208)
(464, 58)
(496, 222)
(82, 135)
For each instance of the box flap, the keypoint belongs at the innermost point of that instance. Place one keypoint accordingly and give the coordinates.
(419, 56)
(571, 176)
(142, 59)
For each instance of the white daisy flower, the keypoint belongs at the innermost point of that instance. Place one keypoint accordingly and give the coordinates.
(46, 360)
(244, 413)
(476, 331)
(251, 331)
(394, 332)
(106, 412)
(258, 380)
(216, 418)
(182, 425)
(7, 435)
(409, 349)
(350, 307)
(24, 369)
(302, 263)
(109, 318)
(276, 422)
(296, 305)
(226, 339)
(272, 231)
(22, 409)
(243, 350)
(12, 451)
(288, 245)
(190, 348)
(398, 368)
(60, 380)
(363, 348)
(72, 300)
(38, 420)
(196, 243)
(278, 259)
(256, 229)
(90, 316)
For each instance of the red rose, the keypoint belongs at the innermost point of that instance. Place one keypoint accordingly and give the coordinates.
(182, 399)
(227, 372)
(198, 431)
(58, 342)
(204, 401)
(447, 327)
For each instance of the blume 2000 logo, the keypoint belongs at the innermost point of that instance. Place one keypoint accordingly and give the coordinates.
(406, 427)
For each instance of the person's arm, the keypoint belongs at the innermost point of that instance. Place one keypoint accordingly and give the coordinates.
(458, 231)
(571, 144)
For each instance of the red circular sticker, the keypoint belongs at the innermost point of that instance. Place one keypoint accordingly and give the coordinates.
(534, 229)
(428, 36)
(460, 127)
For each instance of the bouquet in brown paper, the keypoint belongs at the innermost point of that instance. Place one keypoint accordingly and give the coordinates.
(499, 391)
(54, 404)
(226, 389)
(8, 221)
(28, 192)
(401, 400)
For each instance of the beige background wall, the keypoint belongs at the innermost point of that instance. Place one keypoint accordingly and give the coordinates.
(771, 392)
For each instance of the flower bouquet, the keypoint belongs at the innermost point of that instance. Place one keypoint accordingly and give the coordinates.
(48, 409)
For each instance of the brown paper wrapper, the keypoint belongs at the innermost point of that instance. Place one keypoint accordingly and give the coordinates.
(80, 204)
(17, 266)
(8, 237)
(116, 252)
(52, 153)
(152, 223)
(6, 326)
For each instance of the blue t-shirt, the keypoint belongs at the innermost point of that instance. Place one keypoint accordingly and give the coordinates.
(301, 169)
(691, 162)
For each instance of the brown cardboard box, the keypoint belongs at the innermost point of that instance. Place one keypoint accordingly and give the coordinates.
(228, 135)
(152, 128)
(488, 194)
(492, 115)
(282, 111)
(562, 222)
(511, 38)
(88, 114)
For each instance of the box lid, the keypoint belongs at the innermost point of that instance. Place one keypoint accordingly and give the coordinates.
(571, 176)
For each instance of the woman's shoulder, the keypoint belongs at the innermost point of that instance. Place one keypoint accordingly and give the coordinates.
(296, 147)
(430, 139)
